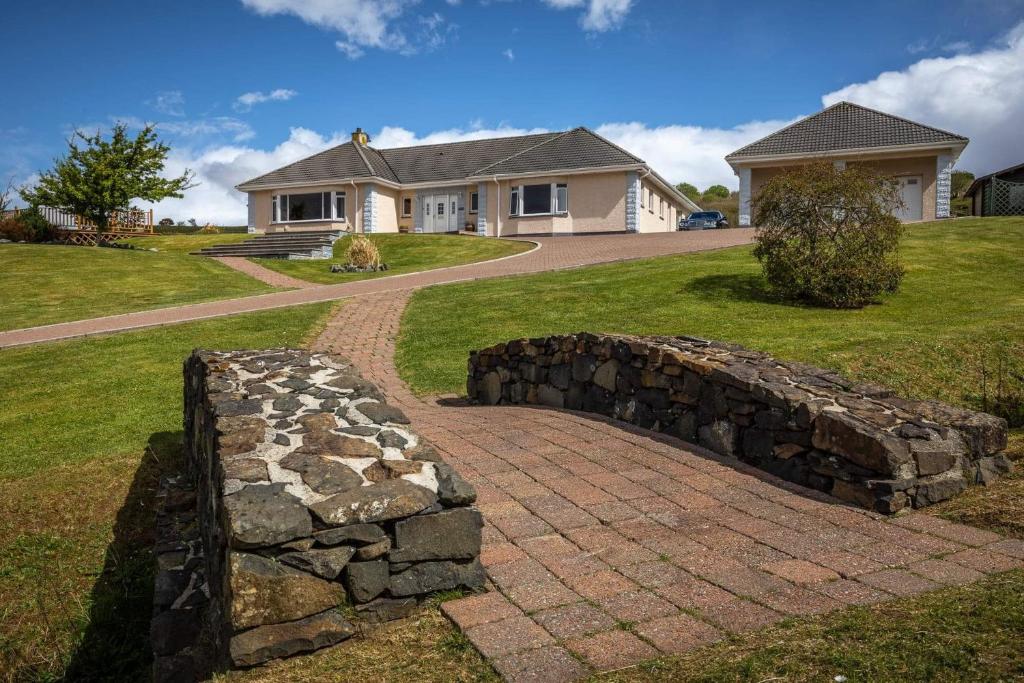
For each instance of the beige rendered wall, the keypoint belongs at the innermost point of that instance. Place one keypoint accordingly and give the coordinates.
(651, 219)
(387, 209)
(264, 203)
(597, 203)
(924, 166)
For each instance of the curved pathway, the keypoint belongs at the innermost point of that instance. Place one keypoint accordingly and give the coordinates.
(265, 275)
(591, 523)
(555, 253)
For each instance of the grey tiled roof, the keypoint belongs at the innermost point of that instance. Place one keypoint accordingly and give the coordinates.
(342, 161)
(577, 148)
(845, 126)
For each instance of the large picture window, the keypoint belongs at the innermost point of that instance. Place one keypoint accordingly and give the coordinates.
(313, 206)
(539, 200)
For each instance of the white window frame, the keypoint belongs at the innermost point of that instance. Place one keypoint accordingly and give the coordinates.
(411, 207)
(516, 200)
(661, 208)
(276, 204)
(474, 201)
(650, 200)
(643, 192)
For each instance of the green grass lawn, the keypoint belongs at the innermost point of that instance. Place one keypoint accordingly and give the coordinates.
(45, 284)
(403, 253)
(962, 299)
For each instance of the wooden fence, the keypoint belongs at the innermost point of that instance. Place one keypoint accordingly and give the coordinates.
(77, 229)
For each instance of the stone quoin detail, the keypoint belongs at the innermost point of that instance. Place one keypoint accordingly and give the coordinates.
(856, 441)
(313, 506)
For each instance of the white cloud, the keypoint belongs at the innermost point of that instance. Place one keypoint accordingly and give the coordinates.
(364, 24)
(980, 95)
(219, 168)
(692, 154)
(600, 15)
(393, 136)
(247, 101)
(509, 55)
(170, 102)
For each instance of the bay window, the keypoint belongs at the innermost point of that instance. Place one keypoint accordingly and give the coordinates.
(308, 206)
(539, 200)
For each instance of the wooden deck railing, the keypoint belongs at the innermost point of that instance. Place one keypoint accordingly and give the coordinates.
(75, 229)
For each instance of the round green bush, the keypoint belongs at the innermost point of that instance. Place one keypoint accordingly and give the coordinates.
(828, 236)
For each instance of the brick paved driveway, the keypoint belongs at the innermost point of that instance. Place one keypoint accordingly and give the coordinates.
(554, 253)
(592, 525)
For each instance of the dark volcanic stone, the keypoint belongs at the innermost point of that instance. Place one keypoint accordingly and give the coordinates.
(367, 580)
(449, 535)
(427, 577)
(264, 515)
(387, 609)
(361, 430)
(326, 563)
(452, 489)
(329, 443)
(321, 474)
(240, 434)
(391, 439)
(359, 534)
(174, 629)
(246, 469)
(992, 467)
(236, 407)
(287, 404)
(382, 413)
(389, 499)
(267, 592)
(283, 640)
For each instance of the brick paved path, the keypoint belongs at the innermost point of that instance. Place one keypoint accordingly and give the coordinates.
(271, 277)
(592, 525)
(555, 253)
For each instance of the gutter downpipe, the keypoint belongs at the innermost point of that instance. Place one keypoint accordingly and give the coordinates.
(355, 213)
(497, 212)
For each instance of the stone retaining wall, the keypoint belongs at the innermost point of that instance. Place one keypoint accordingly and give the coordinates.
(317, 505)
(856, 441)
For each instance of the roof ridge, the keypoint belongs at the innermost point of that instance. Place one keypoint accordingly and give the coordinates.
(523, 151)
(366, 161)
(460, 142)
(609, 142)
(898, 117)
(385, 160)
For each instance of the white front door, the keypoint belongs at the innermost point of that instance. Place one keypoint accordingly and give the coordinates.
(441, 213)
(911, 193)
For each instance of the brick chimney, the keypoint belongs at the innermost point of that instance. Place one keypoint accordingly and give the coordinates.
(359, 137)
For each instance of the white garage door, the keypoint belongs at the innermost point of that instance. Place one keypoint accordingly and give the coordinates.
(911, 189)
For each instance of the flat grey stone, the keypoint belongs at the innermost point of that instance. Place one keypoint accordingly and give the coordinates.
(359, 534)
(427, 577)
(367, 580)
(326, 563)
(275, 641)
(265, 515)
(390, 499)
(448, 535)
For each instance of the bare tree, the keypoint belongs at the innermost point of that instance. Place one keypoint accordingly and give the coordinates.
(5, 195)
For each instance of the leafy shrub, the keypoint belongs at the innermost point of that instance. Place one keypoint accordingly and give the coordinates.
(828, 236)
(689, 191)
(362, 252)
(166, 221)
(27, 226)
(209, 229)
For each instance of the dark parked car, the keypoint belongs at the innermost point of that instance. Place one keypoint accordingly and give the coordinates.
(701, 220)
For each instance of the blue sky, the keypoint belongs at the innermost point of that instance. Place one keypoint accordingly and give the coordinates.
(240, 87)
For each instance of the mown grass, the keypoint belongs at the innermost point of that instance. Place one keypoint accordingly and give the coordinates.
(44, 284)
(962, 300)
(403, 253)
(88, 427)
(970, 633)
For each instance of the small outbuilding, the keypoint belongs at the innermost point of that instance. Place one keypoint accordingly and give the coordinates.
(998, 194)
(920, 157)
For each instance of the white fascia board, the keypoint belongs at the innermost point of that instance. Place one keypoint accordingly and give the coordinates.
(735, 162)
(556, 171)
(361, 180)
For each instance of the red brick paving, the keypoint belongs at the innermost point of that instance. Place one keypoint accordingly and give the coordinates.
(657, 545)
(555, 253)
(270, 277)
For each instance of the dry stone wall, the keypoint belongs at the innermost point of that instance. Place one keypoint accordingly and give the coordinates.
(857, 441)
(315, 506)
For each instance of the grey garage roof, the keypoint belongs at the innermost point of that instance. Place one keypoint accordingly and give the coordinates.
(845, 126)
(573, 149)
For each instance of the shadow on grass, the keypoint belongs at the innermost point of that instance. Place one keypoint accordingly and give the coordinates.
(750, 288)
(115, 645)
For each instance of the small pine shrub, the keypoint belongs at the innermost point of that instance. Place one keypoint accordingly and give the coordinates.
(362, 252)
(828, 237)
